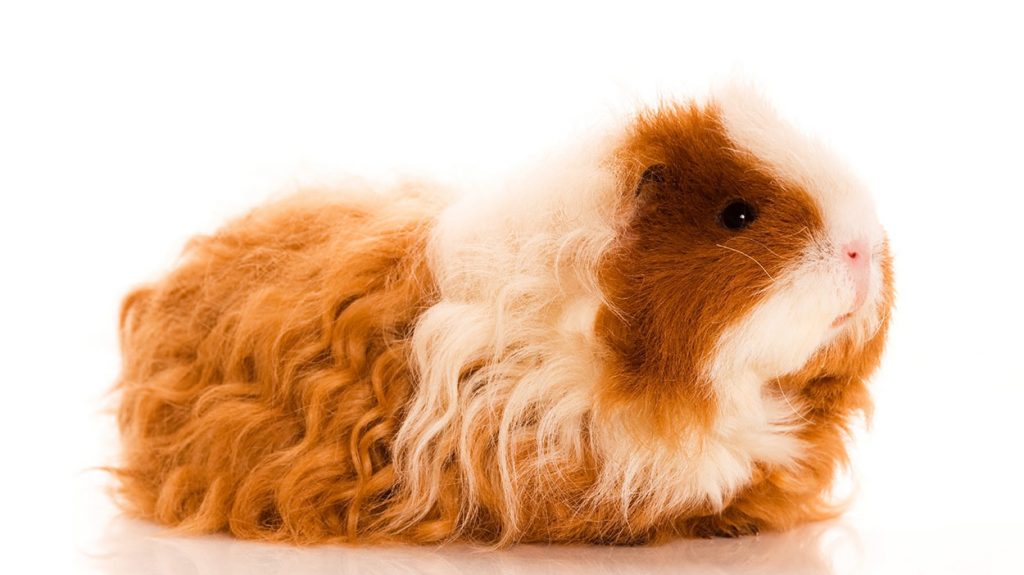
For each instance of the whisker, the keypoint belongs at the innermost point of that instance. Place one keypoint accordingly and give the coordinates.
(878, 327)
(751, 259)
(804, 230)
(756, 242)
(788, 402)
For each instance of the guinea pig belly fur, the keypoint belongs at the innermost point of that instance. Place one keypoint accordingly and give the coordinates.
(665, 332)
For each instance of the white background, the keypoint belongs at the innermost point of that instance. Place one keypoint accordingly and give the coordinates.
(126, 127)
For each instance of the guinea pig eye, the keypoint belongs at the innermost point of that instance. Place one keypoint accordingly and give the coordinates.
(738, 215)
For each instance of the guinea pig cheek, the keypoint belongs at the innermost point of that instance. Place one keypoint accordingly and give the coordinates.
(792, 321)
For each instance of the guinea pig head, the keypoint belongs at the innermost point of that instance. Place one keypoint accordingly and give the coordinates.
(748, 253)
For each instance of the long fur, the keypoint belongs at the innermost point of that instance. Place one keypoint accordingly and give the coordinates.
(568, 359)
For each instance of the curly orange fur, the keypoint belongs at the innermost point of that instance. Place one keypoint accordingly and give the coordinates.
(264, 377)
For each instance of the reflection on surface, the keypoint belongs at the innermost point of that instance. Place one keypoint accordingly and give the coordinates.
(132, 547)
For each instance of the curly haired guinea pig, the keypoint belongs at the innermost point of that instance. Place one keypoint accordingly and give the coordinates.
(663, 333)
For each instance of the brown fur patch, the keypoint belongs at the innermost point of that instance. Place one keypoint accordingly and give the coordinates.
(678, 278)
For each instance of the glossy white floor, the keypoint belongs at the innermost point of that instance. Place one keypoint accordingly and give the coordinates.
(126, 127)
(129, 548)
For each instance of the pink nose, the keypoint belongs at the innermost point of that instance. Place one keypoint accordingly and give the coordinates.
(857, 257)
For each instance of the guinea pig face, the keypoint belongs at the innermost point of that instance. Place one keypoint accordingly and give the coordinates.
(748, 249)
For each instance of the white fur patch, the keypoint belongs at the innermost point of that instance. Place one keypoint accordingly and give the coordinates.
(694, 469)
(512, 338)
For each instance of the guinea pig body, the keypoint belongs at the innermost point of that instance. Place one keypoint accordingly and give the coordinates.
(664, 333)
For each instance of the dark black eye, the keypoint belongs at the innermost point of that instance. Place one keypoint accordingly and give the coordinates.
(738, 215)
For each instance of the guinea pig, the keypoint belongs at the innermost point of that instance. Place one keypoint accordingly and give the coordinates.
(664, 332)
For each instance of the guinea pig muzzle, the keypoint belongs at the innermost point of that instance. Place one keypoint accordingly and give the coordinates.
(856, 257)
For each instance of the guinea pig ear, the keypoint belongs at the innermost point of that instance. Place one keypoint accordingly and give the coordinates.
(654, 174)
